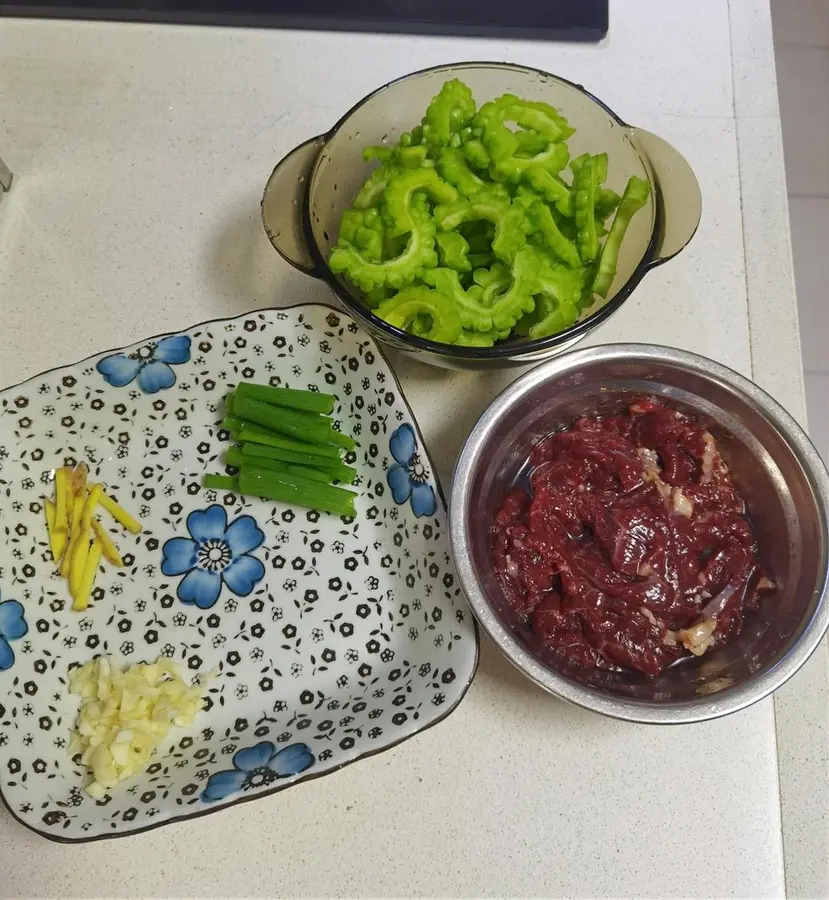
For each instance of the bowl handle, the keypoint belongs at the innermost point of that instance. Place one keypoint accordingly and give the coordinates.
(681, 207)
(283, 202)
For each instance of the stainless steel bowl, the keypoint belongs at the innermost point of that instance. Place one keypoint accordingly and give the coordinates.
(773, 464)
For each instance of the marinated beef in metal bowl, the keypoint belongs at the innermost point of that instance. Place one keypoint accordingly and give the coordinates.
(626, 545)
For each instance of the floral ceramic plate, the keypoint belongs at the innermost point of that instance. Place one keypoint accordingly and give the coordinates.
(334, 639)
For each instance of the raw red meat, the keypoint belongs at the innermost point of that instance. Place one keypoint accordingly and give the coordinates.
(632, 547)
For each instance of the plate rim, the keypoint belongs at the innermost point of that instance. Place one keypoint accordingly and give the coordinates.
(108, 836)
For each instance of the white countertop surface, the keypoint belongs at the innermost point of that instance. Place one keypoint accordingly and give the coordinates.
(140, 154)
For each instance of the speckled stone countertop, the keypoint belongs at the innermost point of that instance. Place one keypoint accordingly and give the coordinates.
(140, 156)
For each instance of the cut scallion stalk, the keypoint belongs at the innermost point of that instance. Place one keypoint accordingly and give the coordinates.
(291, 456)
(296, 491)
(221, 482)
(310, 401)
(341, 440)
(253, 435)
(235, 458)
(310, 428)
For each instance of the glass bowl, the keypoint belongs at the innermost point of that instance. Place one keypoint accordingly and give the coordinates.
(311, 187)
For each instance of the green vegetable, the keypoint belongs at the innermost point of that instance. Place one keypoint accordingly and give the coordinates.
(420, 325)
(494, 280)
(254, 434)
(394, 245)
(364, 229)
(549, 318)
(453, 251)
(273, 462)
(297, 491)
(547, 227)
(372, 190)
(231, 424)
(578, 162)
(414, 157)
(450, 110)
(454, 167)
(314, 467)
(561, 283)
(477, 224)
(376, 296)
(553, 159)
(406, 156)
(557, 302)
(510, 306)
(500, 140)
(343, 473)
(585, 188)
(480, 338)
(340, 472)
(379, 152)
(477, 154)
(221, 483)
(309, 401)
(398, 196)
(477, 260)
(634, 198)
(468, 303)
(235, 459)
(299, 426)
(500, 296)
(402, 309)
(607, 202)
(490, 204)
(551, 188)
(412, 138)
(342, 440)
(287, 456)
(531, 142)
(479, 235)
(367, 275)
(601, 169)
(485, 277)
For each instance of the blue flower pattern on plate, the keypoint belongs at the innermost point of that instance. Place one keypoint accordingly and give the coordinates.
(256, 767)
(215, 554)
(12, 626)
(150, 364)
(408, 478)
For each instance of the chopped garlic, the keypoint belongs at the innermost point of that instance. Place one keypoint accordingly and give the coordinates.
(651, 463)
(681, 503)
(699, 637)
(125, 715)
(648, 615)
(712, 687)
(709, 454)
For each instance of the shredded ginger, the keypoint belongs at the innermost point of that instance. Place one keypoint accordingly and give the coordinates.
(125, 715)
